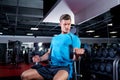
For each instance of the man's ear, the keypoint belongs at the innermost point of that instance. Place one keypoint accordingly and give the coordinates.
(60, 24)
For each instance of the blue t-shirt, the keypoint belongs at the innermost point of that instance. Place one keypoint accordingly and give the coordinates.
(60, 55)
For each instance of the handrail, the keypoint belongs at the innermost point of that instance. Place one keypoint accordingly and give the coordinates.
(75, 69)
(115, 68)
(117, 63)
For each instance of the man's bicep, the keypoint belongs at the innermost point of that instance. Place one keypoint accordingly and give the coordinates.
(77, 43)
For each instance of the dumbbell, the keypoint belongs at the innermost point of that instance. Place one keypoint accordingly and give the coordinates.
(114, 46)
(118, 51)
(99, 53)
(96, 66)
(87, 49)
(109, 67)
(36, 65)
(111, 52)
(93, 52)
(91, 66)
(102, 67)
(105, 52)
(93, 77)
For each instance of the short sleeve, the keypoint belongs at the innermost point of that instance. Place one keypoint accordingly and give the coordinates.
(76, 42)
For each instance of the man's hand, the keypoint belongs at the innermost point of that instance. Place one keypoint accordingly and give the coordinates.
(79, 51)
(36, 58)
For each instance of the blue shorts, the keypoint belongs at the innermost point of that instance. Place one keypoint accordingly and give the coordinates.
(49, 71)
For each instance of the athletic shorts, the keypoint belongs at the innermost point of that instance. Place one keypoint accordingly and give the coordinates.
(48, 72)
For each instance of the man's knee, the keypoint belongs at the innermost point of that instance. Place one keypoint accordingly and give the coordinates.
(31, 74)
(24, 76)
(58, 78)
(61, 77)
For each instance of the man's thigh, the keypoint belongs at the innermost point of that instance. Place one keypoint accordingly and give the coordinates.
(61, 75)
(32, 74)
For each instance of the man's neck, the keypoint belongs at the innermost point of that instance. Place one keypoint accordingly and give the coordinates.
(65, 32)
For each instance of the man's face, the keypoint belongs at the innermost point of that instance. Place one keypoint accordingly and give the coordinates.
(65, 26)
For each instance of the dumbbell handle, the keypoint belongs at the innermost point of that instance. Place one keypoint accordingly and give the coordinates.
(36, 63)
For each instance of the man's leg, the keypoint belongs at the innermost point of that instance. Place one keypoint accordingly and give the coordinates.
(61, 75)
(31, 74)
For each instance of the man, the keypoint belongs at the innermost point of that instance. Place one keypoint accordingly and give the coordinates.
(60, 67)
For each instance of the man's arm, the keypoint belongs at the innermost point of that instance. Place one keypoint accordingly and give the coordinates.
(45, 57)
(78, 52)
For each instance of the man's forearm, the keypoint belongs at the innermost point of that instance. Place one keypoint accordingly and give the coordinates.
(44, 57)
(76, 57)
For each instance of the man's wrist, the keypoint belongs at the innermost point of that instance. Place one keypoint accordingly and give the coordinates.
(40, 59)
(77, 56)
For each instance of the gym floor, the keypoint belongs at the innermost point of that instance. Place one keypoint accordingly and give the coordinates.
(12, 71)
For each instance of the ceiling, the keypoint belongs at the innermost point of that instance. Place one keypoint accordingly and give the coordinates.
(106, 25)
(17, 17)
(78, 5)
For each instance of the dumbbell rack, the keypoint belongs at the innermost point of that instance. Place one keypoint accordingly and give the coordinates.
(100, 67)
(114, 68)
(8, 55)
(100, 60)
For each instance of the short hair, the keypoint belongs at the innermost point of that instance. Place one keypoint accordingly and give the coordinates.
(65, 17)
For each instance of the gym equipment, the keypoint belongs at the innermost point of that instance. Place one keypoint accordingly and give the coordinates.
(118, 51)
(93, 77)
(15, 52)
(87, 49)
(71, 51)
(104, 52)
(111, 52)
(119, 68)
(102, 67)
(91, 66)
(36, 65)
(109, 67)
(36, 50)
(104, 61)
(99, 52)
(3, 49)
(96, 66)
(93, 52)
(71, 48)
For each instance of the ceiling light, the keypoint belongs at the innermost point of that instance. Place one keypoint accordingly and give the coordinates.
(40, 44)
(97, 36)
(109, 24)
(90, 31)
(113, 32)
(1, 33)
(41, 48)
(5, 28)
(33, 28)
(113, 36)
(29, 34)
(55, 34)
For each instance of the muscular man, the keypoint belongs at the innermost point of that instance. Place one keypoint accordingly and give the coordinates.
(60, 67)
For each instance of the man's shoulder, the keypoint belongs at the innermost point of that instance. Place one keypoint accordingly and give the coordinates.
(73, 35)
(56, 36)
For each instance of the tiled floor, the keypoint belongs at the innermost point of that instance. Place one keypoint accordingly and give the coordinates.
(11, 70)
(10, 78)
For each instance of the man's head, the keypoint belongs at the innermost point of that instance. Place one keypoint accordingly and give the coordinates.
(65, 23)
